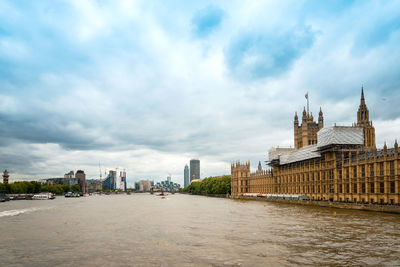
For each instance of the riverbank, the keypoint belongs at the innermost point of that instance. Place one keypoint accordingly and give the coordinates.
(337, 205)
(206, 195)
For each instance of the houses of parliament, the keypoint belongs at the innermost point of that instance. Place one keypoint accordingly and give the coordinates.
(335, 163)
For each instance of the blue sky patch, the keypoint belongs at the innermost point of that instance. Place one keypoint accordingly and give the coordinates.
(206, 20)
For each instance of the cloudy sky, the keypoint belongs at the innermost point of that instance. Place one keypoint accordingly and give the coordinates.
(147, 85)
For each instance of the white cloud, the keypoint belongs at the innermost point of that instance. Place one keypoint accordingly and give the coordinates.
(126, 83)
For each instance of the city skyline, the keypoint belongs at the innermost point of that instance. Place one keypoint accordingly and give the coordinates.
(148, 86)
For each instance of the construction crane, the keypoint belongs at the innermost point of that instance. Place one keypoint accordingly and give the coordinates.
(100, 171)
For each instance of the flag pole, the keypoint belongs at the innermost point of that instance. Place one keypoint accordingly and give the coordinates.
(308, 106)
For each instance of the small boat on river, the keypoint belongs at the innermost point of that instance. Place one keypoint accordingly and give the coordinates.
(43, 196)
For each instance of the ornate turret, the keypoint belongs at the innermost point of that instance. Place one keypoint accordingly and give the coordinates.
(259, 166)
(306, 133)
(385, 149)
(5, 177)
(320, 119)
(296, 119)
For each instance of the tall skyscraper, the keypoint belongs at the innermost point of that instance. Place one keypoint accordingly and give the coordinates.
(111, 181)
(194, 169)
(81, 180)
(5, 177)
(186, 176)
(123, 181)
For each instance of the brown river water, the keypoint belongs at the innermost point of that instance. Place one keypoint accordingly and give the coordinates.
(185, 230)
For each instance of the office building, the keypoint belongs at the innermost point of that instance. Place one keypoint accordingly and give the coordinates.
(186, 180)
(81, 180)
(110, 183)
(69, 175)
(166, 186)
(94, 185)
(5, 177)
(194, 169)
(123, 180)
(143, 185)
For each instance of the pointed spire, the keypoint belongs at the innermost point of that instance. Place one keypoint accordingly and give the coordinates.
(304, 117)
(362, 94)
(363, 113)
(384, 149)
(362, 100)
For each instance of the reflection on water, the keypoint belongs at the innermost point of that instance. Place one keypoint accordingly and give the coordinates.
(184, 230)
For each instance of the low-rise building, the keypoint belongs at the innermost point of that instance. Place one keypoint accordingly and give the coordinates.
(143, 185)
(60, 180)
(94, 185)
(166, 185)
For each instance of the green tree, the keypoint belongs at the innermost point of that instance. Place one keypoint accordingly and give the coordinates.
(65, 188)
(75, 188)
(210, 185)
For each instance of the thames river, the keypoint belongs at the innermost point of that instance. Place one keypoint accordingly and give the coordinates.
(185, 230)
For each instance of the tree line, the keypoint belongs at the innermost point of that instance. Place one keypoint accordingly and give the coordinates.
(210, 186)
(34, 187)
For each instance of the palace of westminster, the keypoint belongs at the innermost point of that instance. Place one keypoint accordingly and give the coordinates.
(336, 163)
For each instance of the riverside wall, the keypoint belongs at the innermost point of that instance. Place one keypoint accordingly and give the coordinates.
(329, 204)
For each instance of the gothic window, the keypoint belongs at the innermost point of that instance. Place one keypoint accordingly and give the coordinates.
(392, 168)
(355, 172)
(381, 170)
(382, 187)
(372, 186)
(355, 188)
(392, 187)
(363, 171)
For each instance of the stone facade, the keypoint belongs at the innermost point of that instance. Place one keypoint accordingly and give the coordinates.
(342, 165)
